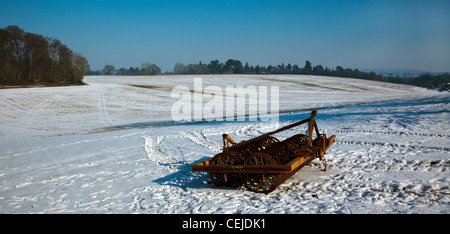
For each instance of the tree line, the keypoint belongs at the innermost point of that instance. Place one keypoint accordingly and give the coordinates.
(426, 80)
(232, 66)
(145, 69)
(28, 58)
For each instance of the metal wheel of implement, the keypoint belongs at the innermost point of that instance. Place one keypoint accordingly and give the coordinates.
(226, 179)
(268, 141)
(261, 182)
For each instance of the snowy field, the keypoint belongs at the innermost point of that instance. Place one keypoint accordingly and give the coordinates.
(110, 147)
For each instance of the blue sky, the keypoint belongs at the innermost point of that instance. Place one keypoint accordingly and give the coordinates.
(357, 34)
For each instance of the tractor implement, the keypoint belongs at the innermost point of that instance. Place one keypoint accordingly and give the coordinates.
(263, 163)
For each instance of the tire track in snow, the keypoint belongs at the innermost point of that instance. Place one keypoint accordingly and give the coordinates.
(155, 154)
(199, 138)
(387, 133)
(103, 110)
(394, 145)
(386, 165)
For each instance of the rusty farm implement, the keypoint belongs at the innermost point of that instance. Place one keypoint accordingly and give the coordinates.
(264, 162)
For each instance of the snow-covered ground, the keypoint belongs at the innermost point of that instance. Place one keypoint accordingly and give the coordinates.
(109, 147)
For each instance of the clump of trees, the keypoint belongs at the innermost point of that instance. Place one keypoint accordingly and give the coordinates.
(145, 69)
(28, 58)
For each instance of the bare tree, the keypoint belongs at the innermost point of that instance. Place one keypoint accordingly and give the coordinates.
(108, 70)
(81, 66)
(150, 69)
(179, 69)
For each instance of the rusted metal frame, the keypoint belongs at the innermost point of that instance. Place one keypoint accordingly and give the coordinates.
(330, 142)
(285, 168)
(226, 142)
(286, 176)
(244, 169)
(311, 126)
(273, 132)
